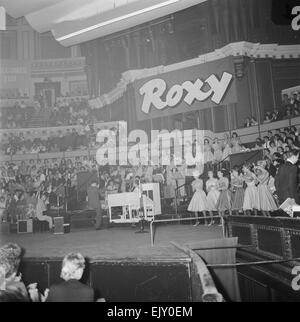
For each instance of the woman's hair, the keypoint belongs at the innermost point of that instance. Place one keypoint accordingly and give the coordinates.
(72, 266)
(237, 169)
(10, 258)
(234, 134)
(248, 166)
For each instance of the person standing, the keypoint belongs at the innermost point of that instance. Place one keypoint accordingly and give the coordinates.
(251, 202)
(213, 195)
(93, 196)
(266, 200)
(286, 179)
(198, 202)
(224, 201)
(237, 189)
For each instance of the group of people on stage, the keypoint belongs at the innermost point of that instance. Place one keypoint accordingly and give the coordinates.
(245, 190)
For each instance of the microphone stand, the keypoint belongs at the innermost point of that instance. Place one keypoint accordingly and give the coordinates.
(141, 211)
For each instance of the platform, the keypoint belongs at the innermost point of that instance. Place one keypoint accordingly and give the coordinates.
(114, 243)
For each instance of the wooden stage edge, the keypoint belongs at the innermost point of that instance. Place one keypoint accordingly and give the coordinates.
(115, 244)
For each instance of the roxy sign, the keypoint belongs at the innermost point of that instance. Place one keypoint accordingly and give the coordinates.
(155, 92)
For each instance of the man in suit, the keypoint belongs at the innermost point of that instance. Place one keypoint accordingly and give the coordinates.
(71, 290)
(286, 179)
(93, 195)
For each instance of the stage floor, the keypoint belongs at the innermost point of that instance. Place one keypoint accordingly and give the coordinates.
(115, 243)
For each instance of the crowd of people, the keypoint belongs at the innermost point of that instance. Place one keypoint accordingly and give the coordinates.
(26, 184)
(66, 111)
(71, 112)
(17, 116)
(82, 138)
(249, 189)
(290, 107)
(13, 289)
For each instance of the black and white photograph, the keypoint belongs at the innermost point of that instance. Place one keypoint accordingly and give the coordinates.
(149, 154)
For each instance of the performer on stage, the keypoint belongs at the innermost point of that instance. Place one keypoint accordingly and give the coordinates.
(237, 184)
(266, 201)
(213, 194)
(251, 194)
(198, 202)
(224, 201)
(93, 195)
(41, 206)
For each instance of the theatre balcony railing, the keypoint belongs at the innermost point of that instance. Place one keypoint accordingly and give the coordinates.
(247, 135)
(268, 253)
(61, 64)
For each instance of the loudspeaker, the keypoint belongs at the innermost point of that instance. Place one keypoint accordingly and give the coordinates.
(58, 225)
(25, 226)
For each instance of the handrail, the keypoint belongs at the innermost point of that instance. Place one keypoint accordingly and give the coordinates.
(210, 292)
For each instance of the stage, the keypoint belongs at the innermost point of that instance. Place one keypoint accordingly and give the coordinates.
(114, 243)
(122, 265)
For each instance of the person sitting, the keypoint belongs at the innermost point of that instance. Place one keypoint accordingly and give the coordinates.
(12, 288)
(41, 207)
(268, 118)
(71, 290)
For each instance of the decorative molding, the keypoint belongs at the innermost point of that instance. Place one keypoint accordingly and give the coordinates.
(243, 48)
(62, 65)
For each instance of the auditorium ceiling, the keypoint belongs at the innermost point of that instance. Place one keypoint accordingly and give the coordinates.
(77, 21)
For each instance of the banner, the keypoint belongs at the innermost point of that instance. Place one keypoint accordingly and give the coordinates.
(187, 89)
(15, 73)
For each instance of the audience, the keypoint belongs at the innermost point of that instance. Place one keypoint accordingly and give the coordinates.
(71, 290)
(12, 289)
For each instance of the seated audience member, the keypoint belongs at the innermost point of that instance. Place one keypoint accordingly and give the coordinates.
(247, 122)
(276, 115)
(71, 290)
(253, 121)
(268, 118)
(13, 289)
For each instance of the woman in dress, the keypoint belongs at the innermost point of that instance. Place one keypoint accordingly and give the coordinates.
(218, 153)
(224, 201)
(266, 200)
(236, 145)
(198, 202)
(225, 157)
(208, 155)
(237, 184)
(213, 195)
(251, 194)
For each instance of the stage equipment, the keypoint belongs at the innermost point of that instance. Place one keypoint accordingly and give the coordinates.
(152, 193)
(125, 207)
(58, 224)
(25, 226)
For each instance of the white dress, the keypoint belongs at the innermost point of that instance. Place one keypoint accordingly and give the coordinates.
(213, 194)
(198, 202)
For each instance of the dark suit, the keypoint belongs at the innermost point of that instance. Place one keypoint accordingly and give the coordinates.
(286, 182)
(71, 291)
(94, 203)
